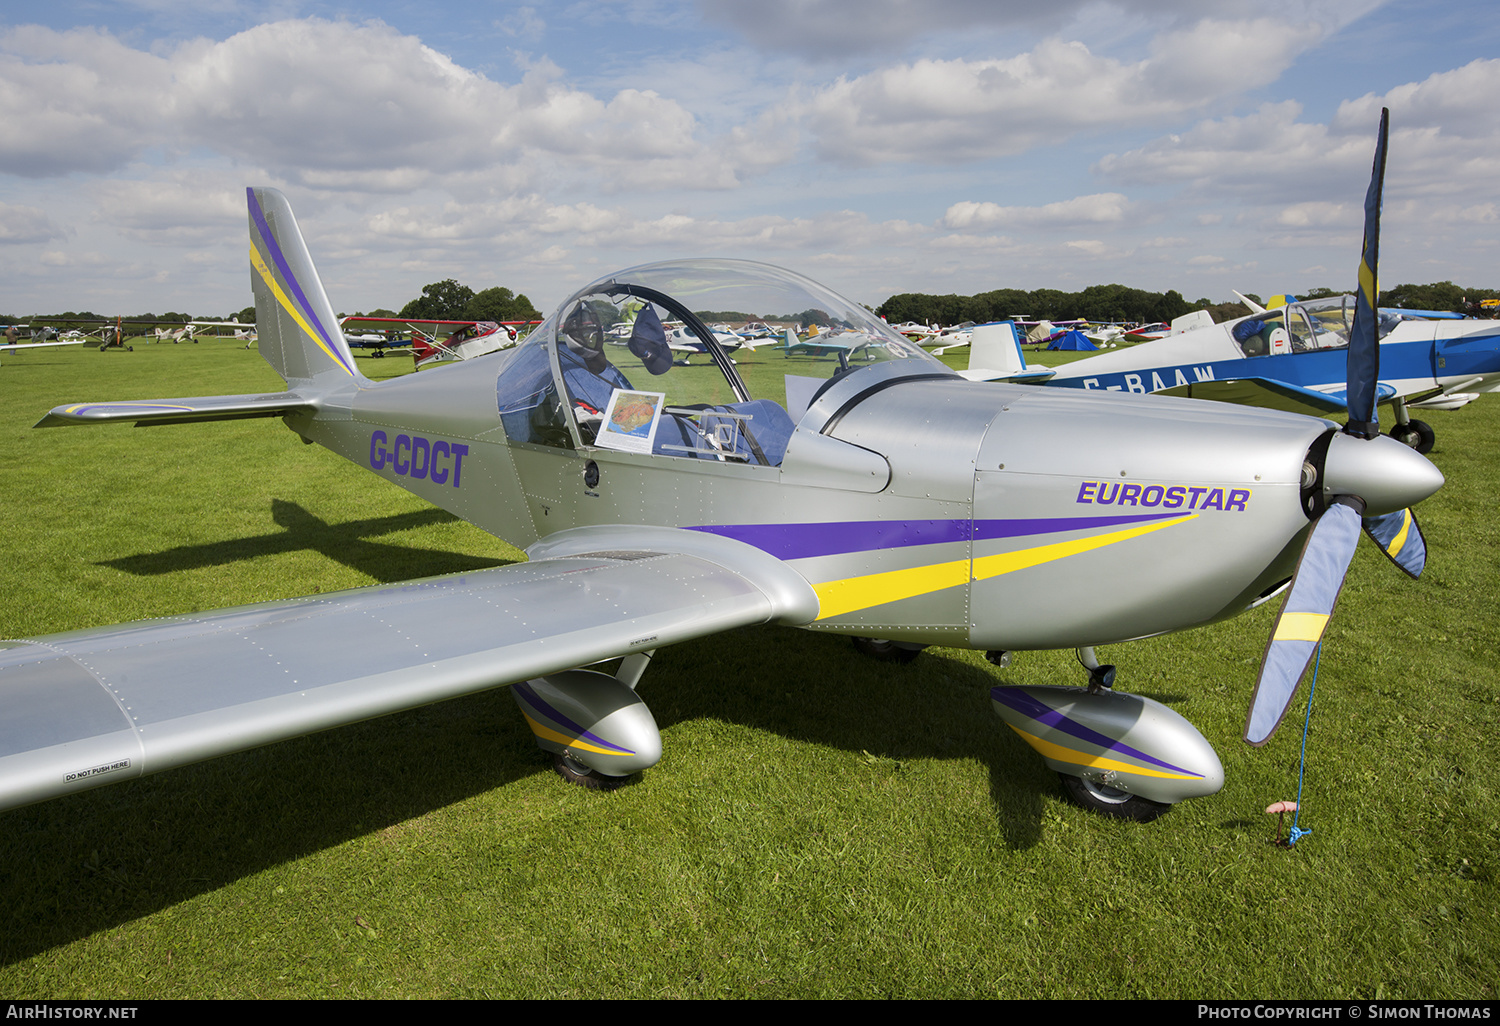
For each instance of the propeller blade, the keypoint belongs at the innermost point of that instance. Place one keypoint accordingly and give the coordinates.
(1304, 615)
(1364, 344)
(1400, 538)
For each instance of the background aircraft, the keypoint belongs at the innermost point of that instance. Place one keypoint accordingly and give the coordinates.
(1292, 358)
(11, 347)
(432, 341)
(905, 504)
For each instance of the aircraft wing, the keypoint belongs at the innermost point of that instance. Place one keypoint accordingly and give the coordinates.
(431, 327)
(6, 347)
(96, 706)
(1272, 394)
(179, 411)
(1426, 315)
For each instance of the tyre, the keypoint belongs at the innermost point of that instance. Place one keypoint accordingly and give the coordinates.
(1107, 801)
(1417, 434)
(575, 772)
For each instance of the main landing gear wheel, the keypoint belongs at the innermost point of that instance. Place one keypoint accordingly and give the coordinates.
(1415, 433)
(887, 651)
(575, 772)
(1107, 801)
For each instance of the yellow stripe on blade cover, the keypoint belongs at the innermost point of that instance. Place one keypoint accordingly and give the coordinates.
(1300, 627)
(851, 594)
(1367, 283)
(1395, 546)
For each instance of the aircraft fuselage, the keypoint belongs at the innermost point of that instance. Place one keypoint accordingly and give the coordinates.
(929, 510)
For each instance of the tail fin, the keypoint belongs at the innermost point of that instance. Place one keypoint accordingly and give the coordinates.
(996, 349)
(299, 334)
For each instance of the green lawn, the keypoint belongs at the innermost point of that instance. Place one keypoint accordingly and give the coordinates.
(820, 824)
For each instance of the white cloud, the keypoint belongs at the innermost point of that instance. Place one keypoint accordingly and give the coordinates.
(194, 207)
(335, 105)
(1267, 155)
(1458, 103)
(1271, 156)
(72, 101)
(970, 109)
(1321, 215)
(1102, 208)
(20, 224)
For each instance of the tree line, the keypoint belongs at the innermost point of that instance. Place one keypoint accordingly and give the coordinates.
(1095, 303)
(1108, 303)
(448, 300)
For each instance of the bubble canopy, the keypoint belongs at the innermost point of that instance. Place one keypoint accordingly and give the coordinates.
(715, 338)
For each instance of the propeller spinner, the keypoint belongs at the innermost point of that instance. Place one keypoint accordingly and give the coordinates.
(1355, 479)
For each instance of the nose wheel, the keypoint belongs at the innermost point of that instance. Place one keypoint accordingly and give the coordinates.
(1416, 433)
(575, 772)
(888, 651)
(1112, 802)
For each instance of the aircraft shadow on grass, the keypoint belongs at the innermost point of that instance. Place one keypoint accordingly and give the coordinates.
(347, 543)
(109, 856)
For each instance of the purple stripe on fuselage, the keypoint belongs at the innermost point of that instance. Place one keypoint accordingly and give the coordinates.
(800, 541)
(286, 272)
(1041, 712)
(541, 708)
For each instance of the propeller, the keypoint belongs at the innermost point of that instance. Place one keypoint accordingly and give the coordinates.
(1353, 480)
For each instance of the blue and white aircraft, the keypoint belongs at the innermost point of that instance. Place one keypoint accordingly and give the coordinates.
(1292, 358)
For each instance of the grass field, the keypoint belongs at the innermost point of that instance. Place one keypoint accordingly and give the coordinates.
(820, 825)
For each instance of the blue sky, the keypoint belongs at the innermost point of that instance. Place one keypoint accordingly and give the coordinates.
(880, 146)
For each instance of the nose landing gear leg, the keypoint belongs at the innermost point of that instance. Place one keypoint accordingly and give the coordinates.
(1101, 675)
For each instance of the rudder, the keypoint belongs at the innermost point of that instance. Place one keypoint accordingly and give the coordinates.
(299, 332)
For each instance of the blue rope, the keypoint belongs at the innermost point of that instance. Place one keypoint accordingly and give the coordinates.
(1296, 835)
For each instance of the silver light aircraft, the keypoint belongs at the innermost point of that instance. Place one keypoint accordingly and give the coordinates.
(878, 497)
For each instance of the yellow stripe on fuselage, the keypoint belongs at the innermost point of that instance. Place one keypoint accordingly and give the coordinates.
(1003, 563)
(285, 302)
(851, 594)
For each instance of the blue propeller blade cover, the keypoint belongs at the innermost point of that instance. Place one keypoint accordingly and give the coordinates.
(1304, 615)
(1400, 538)
(1364, 345)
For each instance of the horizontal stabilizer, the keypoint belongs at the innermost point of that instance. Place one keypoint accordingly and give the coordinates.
(1031, 375)
(179, 411)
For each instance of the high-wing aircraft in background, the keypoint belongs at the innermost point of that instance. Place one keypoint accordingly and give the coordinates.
(660, 503)
(11, 347)
(432, 341)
